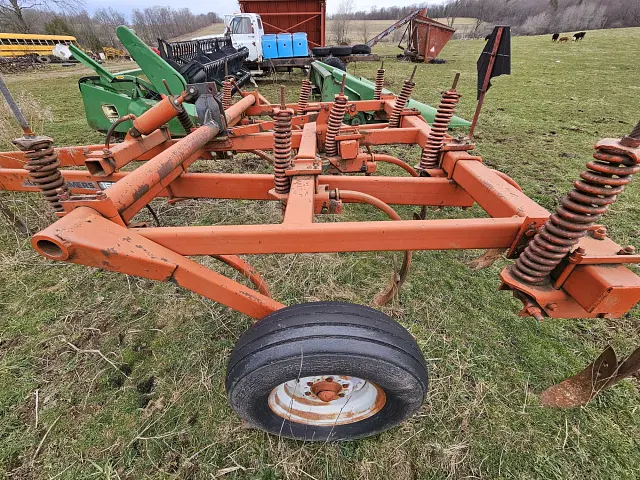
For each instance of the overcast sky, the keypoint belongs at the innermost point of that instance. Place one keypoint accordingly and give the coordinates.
(229, 6)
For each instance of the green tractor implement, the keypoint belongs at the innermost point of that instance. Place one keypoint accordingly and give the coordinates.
(328, 80)
(109, 96)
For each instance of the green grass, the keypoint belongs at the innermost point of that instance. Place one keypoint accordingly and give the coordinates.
(482, 418)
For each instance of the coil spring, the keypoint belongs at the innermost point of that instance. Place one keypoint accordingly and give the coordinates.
(185, 119)
(377, 91)
(226, 92)
(439, 129)
(44, 171)
(282, 150)
(305, 95)
(583, 206)
(336, 116)
(400, 103)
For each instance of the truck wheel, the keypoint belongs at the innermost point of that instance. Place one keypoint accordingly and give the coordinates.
(336, 63)
(321, 51)
(326, 371)
(361, 49)
(340, 51)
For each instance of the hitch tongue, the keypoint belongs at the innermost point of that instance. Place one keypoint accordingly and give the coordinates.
(603, 373)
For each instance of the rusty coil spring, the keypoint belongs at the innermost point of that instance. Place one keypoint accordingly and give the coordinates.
(336, 116)
(227, 87)
(185, 119)
(377, 91)
(583, 206)
(400, 103)
(44, 171)
(305, 95)
(282, 150)
(439, 128)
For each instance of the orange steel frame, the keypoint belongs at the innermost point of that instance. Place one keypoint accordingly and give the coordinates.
(97, 229)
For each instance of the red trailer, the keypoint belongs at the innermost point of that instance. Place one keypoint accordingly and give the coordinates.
(289, 16)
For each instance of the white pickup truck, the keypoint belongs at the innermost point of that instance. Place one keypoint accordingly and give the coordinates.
(245, 30)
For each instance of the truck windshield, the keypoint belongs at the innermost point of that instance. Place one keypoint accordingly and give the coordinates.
(241, 25)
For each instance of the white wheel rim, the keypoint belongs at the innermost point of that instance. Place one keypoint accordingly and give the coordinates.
(307, 401)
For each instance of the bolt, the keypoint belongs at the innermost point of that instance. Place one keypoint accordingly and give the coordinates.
(413, 73)
(628, 250)
(577, 255)
(552, 306)
(455, 81)
(599, 233)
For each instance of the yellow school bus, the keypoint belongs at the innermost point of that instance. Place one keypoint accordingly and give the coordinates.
(15, 44)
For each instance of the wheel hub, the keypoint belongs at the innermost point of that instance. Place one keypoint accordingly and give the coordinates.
(326, 400)
(326, 390)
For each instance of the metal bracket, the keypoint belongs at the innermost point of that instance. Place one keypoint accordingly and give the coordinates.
(208, 104)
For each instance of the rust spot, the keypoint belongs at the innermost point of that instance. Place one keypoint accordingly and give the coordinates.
(165, 169)
(109, 252)
(140, 191)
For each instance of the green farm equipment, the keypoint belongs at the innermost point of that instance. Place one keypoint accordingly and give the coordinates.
(327, 81)
(110, 96)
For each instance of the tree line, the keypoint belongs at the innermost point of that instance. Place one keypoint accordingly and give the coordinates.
(530, 17)
(97, 30)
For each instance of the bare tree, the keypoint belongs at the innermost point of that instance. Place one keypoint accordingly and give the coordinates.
(453, 10)
(342, 21)
(107, 19)
(365, 31)
(14, 13)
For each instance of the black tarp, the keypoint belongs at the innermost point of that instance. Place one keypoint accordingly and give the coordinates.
(502, 63)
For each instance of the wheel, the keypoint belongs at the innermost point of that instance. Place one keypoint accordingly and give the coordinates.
(43, 59)
(326, 371)
(321, 51)
(340, 51)
(361, 49)
(336, 63)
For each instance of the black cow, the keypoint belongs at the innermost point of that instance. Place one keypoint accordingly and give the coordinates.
(554, 37)
(578, 36)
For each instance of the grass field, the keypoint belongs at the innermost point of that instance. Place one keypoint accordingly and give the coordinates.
(128, 373)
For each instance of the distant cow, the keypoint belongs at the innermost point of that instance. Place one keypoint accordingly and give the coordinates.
(578, 36)
(563, 39)
(554, 37)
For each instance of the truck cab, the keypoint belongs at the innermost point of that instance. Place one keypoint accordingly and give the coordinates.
(246, 30)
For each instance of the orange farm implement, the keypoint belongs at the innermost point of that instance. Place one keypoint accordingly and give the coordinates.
(330, 370)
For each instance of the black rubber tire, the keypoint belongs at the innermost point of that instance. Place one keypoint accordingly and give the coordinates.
(321, 51)
(335, 62)
(341, 50)
(44, 59)
(334, 338)
(361, 49)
